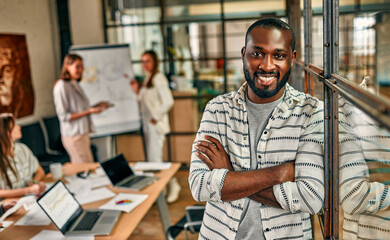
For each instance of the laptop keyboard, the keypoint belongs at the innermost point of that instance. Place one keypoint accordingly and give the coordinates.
(133, 181)
(88, 221)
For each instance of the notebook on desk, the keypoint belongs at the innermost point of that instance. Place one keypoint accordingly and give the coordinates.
(121, 174)
(70, 218)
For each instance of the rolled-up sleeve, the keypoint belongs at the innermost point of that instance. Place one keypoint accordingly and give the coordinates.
(206, 185)
(61, 102)
(306, 193)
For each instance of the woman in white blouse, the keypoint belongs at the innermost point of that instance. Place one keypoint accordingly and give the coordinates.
(156, 100)
(73, 110)
(20, 171)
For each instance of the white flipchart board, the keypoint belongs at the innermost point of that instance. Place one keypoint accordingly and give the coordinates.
(107, 73)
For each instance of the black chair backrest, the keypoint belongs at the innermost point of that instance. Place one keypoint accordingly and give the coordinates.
(32, 136)
(52, 126)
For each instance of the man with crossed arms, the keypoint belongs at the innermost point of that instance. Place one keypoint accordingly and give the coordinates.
(257, 159)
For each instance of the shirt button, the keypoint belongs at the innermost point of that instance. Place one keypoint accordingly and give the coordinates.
(259, 156)
(244, 138)
(265, 132)
(267, 230)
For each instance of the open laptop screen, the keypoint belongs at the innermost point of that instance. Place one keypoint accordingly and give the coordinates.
(117, 169)
(60, 206)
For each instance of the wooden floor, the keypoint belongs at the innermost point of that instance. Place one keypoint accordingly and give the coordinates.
(151, 228)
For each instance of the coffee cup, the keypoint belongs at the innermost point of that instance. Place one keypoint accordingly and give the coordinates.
(56, 170)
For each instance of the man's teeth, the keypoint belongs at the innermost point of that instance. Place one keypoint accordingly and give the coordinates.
(266, 79)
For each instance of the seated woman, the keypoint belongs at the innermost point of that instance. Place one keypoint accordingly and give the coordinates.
(20, 172)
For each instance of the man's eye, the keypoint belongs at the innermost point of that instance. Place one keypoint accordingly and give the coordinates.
(256, 54)
(279, 56)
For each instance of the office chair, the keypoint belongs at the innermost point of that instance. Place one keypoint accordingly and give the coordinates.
(32, 136)
(191, 222)
(52, 127)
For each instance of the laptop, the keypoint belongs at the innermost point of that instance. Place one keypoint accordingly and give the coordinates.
(70, 218)
(121, 174)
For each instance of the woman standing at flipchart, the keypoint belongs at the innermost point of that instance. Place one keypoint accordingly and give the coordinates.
(73, 110)
(156, 100)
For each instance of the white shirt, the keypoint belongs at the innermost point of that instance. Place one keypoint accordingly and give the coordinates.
(25, 165)
(293, 132)
(156, 103)
(70, 98)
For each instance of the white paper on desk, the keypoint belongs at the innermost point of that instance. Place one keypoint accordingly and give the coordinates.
(27, 200)
(135, 199)
(152, 166)
(94, 195)
(36, 216)
(57, 235)
(92, 181)
(142, 173)
(5, 225)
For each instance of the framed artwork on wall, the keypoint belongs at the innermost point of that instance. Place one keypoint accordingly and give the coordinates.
(16, 90)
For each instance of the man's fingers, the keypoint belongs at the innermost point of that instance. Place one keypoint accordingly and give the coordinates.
(216, 142)
(205, 159)
(208, 145)
(209, 153)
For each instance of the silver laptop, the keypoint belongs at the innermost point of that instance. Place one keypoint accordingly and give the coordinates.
(70, 218)
(121, 175)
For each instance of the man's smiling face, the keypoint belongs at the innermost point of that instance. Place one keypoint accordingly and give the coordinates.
(267, 62)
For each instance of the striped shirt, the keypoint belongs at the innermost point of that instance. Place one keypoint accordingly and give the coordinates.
(363, 146)
(25, 165)
(294, 132)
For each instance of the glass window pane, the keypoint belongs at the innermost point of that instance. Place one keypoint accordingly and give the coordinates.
(248, 9)
(235, 36)
(139, 11)
(192, 10)
(364, 175)
(235, 75)
(140, 39)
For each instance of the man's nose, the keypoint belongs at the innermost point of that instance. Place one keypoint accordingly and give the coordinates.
(267, 64)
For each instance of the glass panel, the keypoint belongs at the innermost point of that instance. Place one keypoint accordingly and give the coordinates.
(382, 57)
(364, 176)
(235, 36)
(374, 5)
(139, 11)
(140, 39)
(317, 40)
(250, 8)
(181, 10)
(209, 77)
(364, 51)
(235, 76)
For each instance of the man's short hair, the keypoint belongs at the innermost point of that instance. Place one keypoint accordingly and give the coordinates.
(270, 23)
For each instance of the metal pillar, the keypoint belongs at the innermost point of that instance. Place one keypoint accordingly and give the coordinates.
(331, 65)
(293, 9)
(307, 17)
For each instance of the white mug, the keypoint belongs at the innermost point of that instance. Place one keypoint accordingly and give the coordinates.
(56, 170)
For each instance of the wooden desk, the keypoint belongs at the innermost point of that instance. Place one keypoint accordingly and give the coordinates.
(127, 221)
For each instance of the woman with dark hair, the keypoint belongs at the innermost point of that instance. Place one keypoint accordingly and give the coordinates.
(20, 172)
(73, 110)
(156, 100)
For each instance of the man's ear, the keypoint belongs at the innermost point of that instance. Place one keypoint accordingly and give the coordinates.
(243, 52)
(294, 56)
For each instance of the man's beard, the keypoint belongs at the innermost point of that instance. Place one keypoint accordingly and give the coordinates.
(266, 92)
